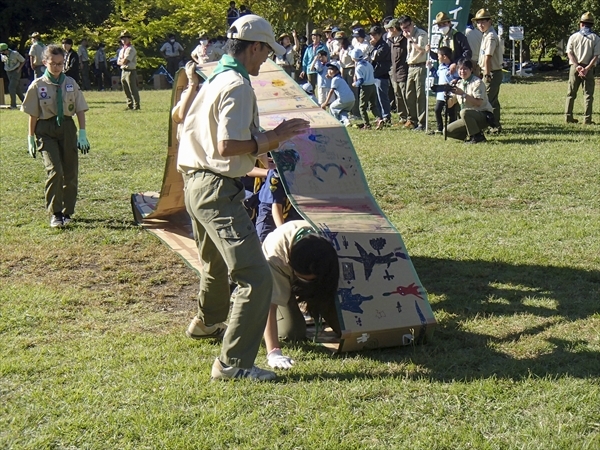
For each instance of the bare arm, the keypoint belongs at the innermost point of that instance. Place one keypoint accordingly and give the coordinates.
(277, 211)
(271, 338)
(328, 99)
(81, 119)
(32, 123)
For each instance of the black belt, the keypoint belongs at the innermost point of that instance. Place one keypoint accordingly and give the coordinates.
(54, 118)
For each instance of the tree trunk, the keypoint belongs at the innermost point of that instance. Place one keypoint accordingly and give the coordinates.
(390, 7)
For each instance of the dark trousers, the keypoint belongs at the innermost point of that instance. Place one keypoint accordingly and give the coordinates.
(439, 114)
(368, 99)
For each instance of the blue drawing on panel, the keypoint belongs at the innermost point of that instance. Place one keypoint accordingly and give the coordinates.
(351, 302)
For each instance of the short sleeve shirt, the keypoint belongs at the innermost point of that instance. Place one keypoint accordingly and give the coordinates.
(584, 47)
(224, 109)
(129, 54)
(82, 51)
(40, 99)
(37, 52)
(342, 90)
(475, 88)
(276, 249)
(12, 60)
(172, 50)
(419, 38)
(491, 46)
(474, 37)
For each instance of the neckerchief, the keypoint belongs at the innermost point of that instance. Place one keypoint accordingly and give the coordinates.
(228, 62)
(59, 99)
(585, 31)
(467, 81)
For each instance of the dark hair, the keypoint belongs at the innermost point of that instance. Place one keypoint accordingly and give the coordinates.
(314, 255)
(236, 47)
(322, 53)
(171, 36)
(345, 44)
(405, 20)
(387, 20)
(587, 24)
(231, 3)
(52, 49)
(376, 29)
(67, 41)
(463, 62)
(446, 51)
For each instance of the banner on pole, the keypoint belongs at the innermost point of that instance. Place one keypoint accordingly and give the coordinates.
(458, 10)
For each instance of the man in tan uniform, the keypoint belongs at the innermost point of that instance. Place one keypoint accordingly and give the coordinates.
(51, 102)
(35, 55)
(127, 61)
(13, 62)
(219, 143)
(583, 50)
(490, 61)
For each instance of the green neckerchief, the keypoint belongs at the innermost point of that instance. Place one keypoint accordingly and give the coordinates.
(228, 62)
(59, 99)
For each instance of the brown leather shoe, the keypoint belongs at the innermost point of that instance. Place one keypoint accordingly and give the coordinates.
(409, 124)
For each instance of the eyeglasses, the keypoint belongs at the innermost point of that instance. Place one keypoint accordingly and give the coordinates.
(61, 64)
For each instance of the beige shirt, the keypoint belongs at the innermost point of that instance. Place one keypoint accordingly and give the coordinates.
(420, 38)
(12, 60)
(474, 37)
(129, 54)
(40, 99)
(475, 88)
(584, 48)
(276, 248)
(491, 46)
(224, 109)
(37, 51)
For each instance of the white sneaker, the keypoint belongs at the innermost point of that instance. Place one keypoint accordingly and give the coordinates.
(197, 330)
(221, 371)
(56, 221)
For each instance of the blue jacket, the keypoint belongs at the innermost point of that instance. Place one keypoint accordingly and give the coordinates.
(309, 55)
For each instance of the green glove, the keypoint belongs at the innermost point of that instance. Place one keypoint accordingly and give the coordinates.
(82, 142)
(32, 145)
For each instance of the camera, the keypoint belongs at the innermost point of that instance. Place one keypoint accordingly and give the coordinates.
(446, 88)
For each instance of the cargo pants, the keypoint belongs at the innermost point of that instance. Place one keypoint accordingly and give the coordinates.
(228, 245)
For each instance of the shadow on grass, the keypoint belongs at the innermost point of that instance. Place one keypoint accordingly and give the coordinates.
(104, 223)
(472, 290)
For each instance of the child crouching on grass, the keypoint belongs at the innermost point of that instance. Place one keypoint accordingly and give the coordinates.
(344, 97)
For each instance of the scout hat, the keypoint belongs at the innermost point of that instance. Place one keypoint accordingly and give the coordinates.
(283, 35)
(35, 35)
(125, 34)
(254, 28)
(3, 47)
(327, 30)
(316, 32)
(356, 53)
(340, 35)
(203, 33)
(587, 18)
(356, 23)
(442, 17)
(391, 24)
(482, 14)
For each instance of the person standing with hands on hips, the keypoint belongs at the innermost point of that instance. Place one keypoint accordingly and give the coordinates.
(51, 102)
(127, 61)
(219, 143)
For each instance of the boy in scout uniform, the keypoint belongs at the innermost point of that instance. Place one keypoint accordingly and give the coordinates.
(220, 142)
(128, 63)
(13, 62)
(583, 50)
(490, 61)
(51, 102)
(36, 58)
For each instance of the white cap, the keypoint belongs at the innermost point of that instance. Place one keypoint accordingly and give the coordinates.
(334, 64)
(254, 28)
(308, 88)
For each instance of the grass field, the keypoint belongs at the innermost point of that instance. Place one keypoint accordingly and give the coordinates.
(505, 237)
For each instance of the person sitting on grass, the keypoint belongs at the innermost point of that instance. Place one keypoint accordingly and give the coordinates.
(305, 268)
(475, 108)
(364, 79)
(344, 97)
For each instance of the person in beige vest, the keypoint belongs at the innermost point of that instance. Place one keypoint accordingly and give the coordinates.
(127, 61)
(583, 50)
(490, 62)
(51, 102)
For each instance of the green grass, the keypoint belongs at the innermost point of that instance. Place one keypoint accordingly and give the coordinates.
(504, 236)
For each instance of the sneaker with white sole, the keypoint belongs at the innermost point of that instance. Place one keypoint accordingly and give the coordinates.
(57, 220)
(221, 371)
(197, 330)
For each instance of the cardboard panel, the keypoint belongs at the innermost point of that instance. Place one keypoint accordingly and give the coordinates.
(381, 302)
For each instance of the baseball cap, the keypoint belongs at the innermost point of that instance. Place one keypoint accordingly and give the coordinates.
(356, 53)
(391, 24)
(254, 28)
(3, 47)
(334, 65)
(359, 32)
(308, 88)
